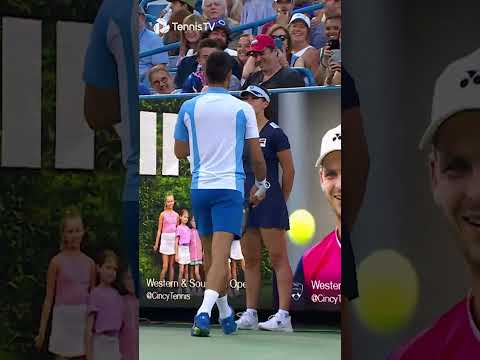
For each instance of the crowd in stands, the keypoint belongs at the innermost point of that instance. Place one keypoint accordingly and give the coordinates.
(297, 49)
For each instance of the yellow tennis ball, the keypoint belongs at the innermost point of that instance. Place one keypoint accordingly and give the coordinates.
(302, 227)
(389, 290)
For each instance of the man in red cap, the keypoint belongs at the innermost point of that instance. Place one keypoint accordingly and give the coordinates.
(272, 74)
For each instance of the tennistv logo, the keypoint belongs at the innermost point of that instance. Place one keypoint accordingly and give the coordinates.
(162, 26)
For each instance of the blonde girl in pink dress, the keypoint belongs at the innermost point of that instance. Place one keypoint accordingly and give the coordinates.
(166, 237)
(70, 277)
(196, 252)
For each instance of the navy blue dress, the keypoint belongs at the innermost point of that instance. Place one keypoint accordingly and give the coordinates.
(271, 212)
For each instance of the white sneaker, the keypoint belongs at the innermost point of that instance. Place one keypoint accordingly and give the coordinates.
(247, 321)
(277, 322)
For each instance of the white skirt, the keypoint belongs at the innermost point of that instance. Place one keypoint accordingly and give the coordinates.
(236, 250)
(67, 338)
(184, 255)
(106, 347)
(167, 244)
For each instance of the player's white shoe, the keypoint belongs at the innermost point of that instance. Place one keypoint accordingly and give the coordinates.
(247, 321)
(277, 322)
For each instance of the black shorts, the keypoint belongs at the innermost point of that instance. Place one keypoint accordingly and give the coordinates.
(349, 272)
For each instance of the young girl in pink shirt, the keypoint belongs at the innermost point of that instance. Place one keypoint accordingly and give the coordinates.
(182, 248)
(70, 276)
(106, 312)
(166, 237)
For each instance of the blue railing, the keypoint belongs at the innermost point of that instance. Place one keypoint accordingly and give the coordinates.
(237, 93)
(240, 28)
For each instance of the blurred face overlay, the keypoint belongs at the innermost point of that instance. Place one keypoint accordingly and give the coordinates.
(331, 180)
(455, 174)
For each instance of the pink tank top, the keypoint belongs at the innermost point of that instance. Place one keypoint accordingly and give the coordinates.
(195, 246)
(322, 271)
(453, 337)
(73, 279)
(169, 225)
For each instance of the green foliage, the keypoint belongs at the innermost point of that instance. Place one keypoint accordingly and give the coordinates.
(30, 208)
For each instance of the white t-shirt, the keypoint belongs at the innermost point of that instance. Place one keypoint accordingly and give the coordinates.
(216, 125)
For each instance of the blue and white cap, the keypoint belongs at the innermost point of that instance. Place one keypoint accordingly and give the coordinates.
(255, 91)
(456, 89)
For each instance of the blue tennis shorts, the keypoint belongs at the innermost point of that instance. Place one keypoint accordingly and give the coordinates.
(217, 210)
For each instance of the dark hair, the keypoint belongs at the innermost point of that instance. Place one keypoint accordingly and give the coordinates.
(219, 65)
(208, 43)
(102, 257)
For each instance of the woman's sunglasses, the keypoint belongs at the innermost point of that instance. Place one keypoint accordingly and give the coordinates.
(281, 37)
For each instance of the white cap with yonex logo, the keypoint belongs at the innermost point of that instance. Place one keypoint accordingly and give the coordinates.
(456, 89)
(331, 141)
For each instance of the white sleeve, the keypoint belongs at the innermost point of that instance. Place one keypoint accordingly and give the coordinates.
(251, 123)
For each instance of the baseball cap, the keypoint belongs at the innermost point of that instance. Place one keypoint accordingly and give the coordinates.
(301, 17)
(255, 91)
(331, 141)
(456, 89)
(261, 42)
(220, 24)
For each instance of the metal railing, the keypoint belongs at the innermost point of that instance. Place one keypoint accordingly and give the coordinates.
(310, 89)
(254, 25)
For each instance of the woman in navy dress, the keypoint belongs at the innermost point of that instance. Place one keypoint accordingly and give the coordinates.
(268, 222)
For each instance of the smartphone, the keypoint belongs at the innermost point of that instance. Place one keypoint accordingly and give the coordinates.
(336, 56)
(334, 44)
(278, 43)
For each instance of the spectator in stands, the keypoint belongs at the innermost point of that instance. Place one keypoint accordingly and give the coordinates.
(197, 80)
(272, 74)
(234, 9)
(279, 32)
(161, 80)
(318, 38)
(303, 54)
(221, 32)
(148, 40)
(177, 5)
(333, 74)
(333, 26)
(214, 10)
(189, 38)
(174, 34)
(283, 9)
(255, 10)
(243, 45)
(189, 65)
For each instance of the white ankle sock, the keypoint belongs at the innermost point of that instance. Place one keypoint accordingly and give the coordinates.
(223, 307)
(209, 298)
(283, 313)
(252, 311)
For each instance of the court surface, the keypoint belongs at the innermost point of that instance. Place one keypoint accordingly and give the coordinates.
(173, 341)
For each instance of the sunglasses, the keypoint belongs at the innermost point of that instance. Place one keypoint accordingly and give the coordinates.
(281, 37)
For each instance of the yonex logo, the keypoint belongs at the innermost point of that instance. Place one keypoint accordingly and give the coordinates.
(472, 75)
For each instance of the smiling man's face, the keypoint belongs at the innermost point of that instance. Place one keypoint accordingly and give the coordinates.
(331, 181)
(455, 174)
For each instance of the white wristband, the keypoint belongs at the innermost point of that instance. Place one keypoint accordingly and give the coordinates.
(262, 186)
